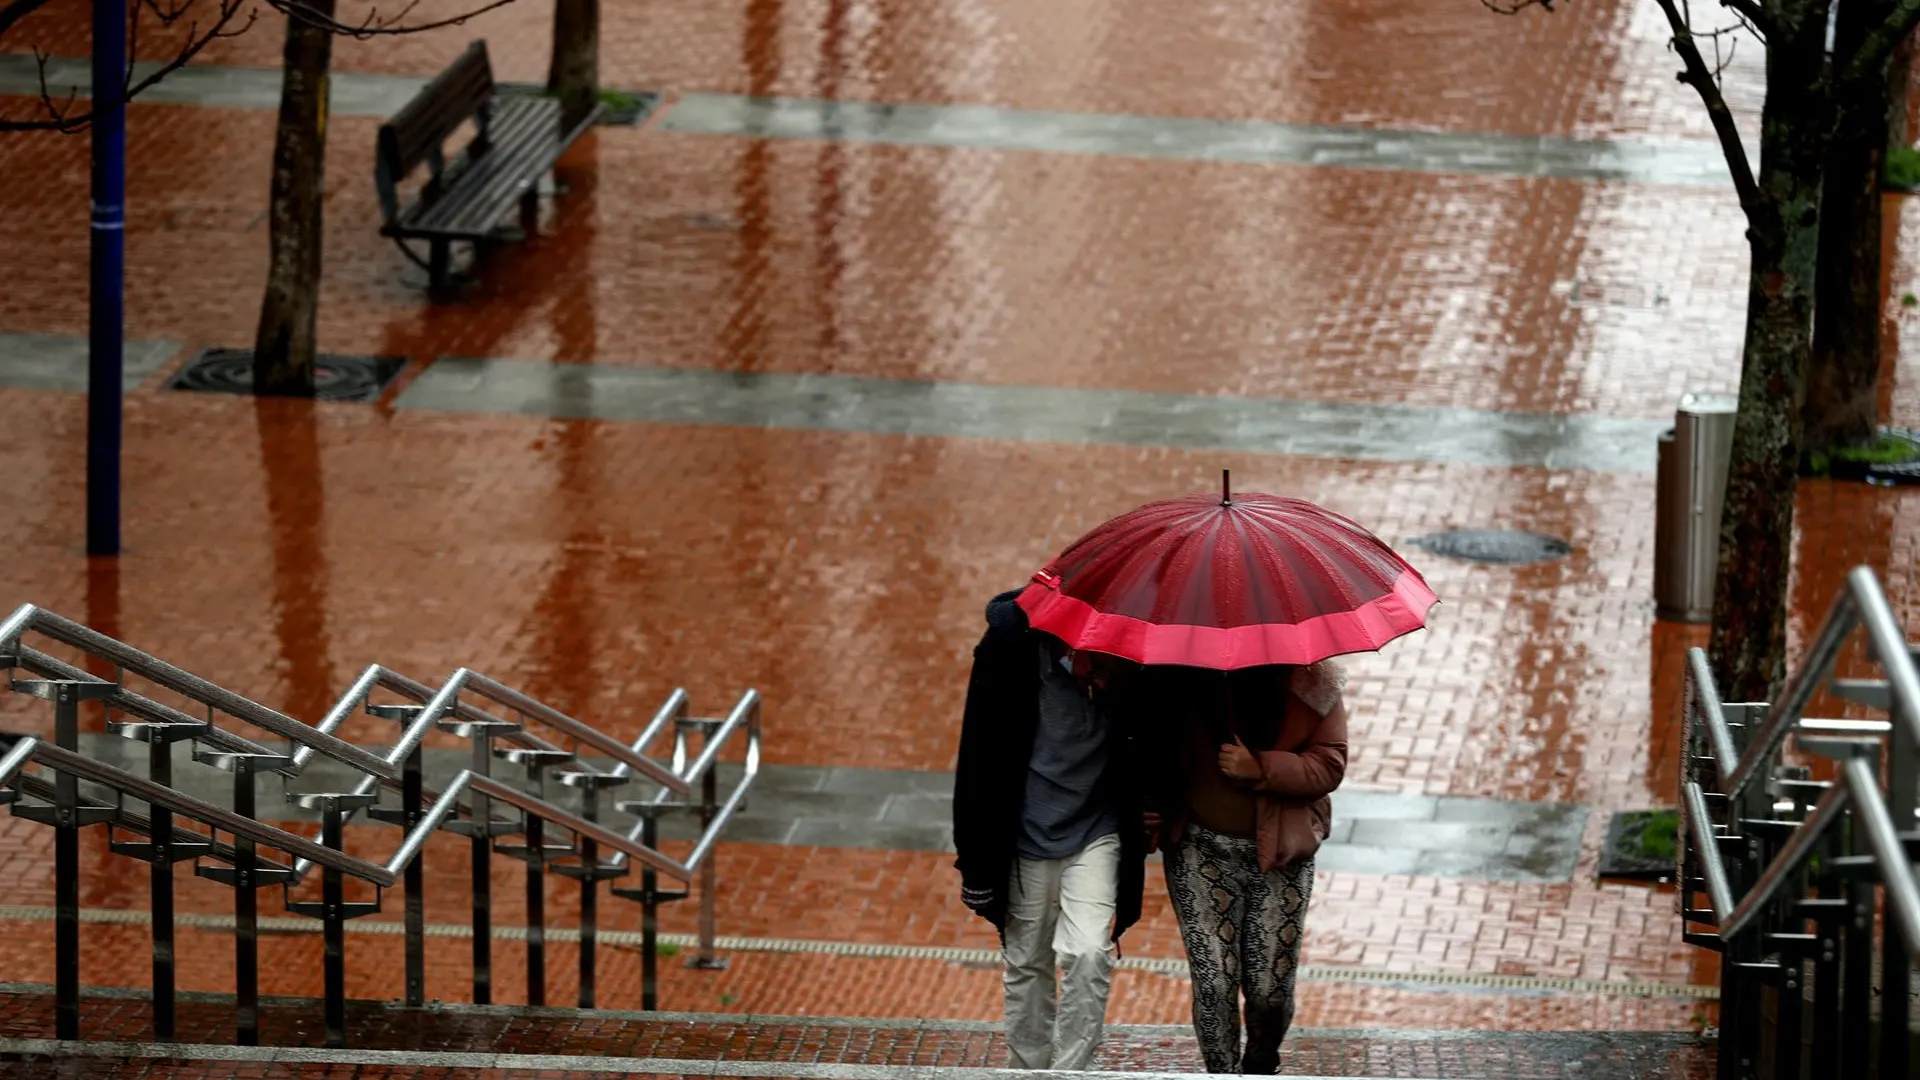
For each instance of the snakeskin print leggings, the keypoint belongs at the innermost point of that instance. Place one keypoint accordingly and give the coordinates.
(1242, 930)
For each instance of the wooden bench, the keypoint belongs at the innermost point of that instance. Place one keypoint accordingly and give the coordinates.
(467, 193)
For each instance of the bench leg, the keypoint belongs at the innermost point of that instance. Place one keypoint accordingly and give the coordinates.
(440, 264)
(530, 210)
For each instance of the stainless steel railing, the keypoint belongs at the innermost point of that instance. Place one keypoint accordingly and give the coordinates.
(465, 804)
(1794, 870)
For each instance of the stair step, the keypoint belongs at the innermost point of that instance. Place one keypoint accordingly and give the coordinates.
(264, 873)
(598, 871)
(349, 909)
(639, 895)
(160, 731)
(533, 755)
(177, 851)
(85, 814)
(403, 713)
(551, 849)
(472, 728)
(343, 800)
(228, 759)
(581, 778)
(496, 827)
(49, 689)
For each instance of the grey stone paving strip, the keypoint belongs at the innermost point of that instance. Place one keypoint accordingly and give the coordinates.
(1248, 142)
(59, 361)
(1343, 430)
(1689, 163)
(1339, 430)
(444, 1059)
(908, 810)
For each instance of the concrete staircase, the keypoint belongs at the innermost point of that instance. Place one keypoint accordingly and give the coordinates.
(444, 1042)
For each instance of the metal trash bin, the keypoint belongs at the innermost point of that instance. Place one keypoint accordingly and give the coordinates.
(1690, 491)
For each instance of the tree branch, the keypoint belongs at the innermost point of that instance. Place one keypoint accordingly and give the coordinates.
(375, 24)
(1870, 60)
(58, 115)
(17, 10)
(1753, 12)
(1699, 76)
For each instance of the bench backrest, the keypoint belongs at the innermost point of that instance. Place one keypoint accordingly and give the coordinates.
(464, 91)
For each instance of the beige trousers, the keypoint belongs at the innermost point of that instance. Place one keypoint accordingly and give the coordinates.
(1059, 956)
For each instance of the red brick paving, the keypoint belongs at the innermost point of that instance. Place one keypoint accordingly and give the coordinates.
(1596, 68)
(711, 253)
(598, 565)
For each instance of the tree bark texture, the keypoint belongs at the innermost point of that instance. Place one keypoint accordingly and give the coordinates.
(283, 348)
(574, 73)
(1748, 645)
(1843, 383)
(1899, 76)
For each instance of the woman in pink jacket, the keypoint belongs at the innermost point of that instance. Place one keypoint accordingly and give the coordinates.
(1260, 751)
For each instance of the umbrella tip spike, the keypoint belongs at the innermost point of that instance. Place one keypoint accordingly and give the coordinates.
(1226, 488)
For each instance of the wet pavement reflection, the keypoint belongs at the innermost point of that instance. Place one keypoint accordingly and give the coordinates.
(891, 302)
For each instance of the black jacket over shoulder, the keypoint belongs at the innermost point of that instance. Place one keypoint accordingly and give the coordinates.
(996, 745)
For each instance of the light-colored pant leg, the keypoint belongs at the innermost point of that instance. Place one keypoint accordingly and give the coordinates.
(1083, 942)
(1027, 946)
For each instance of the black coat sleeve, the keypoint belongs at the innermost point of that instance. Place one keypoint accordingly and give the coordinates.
(978, 795)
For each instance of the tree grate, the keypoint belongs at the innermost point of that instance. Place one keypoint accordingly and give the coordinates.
(1503, 547)
(336, 378)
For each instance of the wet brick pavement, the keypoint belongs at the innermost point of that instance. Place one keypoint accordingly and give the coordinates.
(450, 1034)
(277, 547)
(1597, 68)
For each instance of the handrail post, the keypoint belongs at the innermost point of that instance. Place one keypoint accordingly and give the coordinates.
(160, 886)
(536, 837)
(334, 926)
(482, 877)
(246, 913)
(706, 959)
(649, 916)
(66, 869)
(1856, 967)
(589, 895)
(416, 882)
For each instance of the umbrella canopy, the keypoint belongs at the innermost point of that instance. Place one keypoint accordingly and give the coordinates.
(1228, 582)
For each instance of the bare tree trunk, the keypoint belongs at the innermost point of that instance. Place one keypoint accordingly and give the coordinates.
(1843, 384)
(1899, 77)
(1749, 638)
(574, 73)
(283, 347)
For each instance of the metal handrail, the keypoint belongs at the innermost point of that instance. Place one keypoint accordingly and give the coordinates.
(1862, 603)
(214, 817)
(1833, 803)
(684, 785)
(146, 708)
(28, 617)
(1707, 698)
(1713, 869)
(746, 711)
(1760, 912)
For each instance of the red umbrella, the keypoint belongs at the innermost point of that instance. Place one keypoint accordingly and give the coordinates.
(1228, 582)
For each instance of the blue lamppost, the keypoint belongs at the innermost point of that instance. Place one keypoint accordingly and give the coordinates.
(106, 321)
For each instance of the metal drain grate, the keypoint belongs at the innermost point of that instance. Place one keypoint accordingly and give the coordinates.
(336, 378)
(1505, 547)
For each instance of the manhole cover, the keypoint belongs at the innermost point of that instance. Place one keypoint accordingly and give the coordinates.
(336, 378)
(1503, 546)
